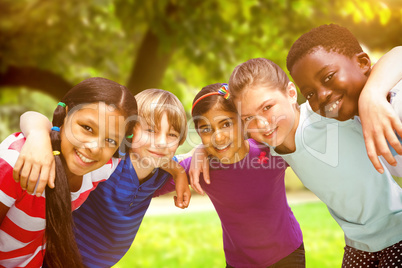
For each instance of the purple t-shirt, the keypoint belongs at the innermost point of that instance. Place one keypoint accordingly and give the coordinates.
(259, 228)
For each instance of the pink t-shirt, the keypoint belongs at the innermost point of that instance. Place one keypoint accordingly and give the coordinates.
(22, 230)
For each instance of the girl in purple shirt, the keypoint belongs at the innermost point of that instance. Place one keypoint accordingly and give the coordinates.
(247, 188)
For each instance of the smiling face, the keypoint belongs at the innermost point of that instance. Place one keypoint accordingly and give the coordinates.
(154, 146)
(90, 136)
(332, 82)
(270, 115)
(221, 133)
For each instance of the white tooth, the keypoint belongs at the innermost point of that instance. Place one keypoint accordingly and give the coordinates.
(333, 106)
(270, 132)
(221, 148)
(83, 158)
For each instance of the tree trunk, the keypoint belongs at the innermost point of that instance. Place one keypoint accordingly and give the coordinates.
(32, 77)
(150, 64)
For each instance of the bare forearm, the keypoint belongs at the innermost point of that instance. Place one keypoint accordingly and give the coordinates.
(386, 73)
(34, 121)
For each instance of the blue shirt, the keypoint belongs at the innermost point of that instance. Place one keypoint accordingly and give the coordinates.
(107, 223)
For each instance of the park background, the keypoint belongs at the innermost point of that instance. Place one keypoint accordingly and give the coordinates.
(46, 47)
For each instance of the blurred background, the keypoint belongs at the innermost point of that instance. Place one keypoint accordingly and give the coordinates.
(46, 47)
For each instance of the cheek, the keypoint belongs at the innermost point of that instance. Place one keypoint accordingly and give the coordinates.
(250, 125)
(205, 139)
(140, 140)
(313, 104)
(108, 153)
(254, 135)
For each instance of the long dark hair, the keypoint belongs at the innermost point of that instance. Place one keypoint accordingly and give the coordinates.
(61, 248)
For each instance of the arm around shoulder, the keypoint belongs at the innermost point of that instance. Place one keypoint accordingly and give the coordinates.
(379, 121)
(36, 161)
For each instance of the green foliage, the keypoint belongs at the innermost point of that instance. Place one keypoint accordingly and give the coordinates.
(81, 38)
(194, 239)
(13, 103)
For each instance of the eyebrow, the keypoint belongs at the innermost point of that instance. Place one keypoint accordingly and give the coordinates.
(317, 75)
(323, 69)
(205, 125)
(226, 119)
(89, 121)
(110, 134)
(219, 122)
(258, 108)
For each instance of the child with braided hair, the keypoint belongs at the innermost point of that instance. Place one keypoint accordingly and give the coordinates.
(107, 223)
(89, 124)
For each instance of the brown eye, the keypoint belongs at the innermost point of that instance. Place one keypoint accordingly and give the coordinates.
(309, 95)
(111, 141)
(266, 108)
(87, 128)
(329, 77)
(205, 130)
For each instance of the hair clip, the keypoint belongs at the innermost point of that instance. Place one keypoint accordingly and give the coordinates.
(56, 153)
(56, 129)
(129, 136)
(224, 90)
(62, 104)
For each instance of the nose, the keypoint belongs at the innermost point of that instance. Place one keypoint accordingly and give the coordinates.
(262, 123)
(160, 141)
(92, 146)
(219, 136)
(324, 95)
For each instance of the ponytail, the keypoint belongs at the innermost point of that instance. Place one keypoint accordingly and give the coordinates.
(61, 248)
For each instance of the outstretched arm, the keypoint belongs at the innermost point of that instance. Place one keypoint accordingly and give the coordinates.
(36, 160)
(379, 120)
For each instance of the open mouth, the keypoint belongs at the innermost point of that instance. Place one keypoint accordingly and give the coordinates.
(222, 148)
(84, 158)
(333, 106)
(269, 133)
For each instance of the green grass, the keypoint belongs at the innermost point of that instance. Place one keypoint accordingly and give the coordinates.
(194, 240)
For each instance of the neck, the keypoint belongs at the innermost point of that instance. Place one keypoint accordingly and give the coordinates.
(74, 181)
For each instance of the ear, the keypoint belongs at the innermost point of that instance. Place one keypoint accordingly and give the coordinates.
(364, 62)
(292, 92)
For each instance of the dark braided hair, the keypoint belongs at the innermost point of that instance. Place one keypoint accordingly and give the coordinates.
(331, 37)
(61, 248)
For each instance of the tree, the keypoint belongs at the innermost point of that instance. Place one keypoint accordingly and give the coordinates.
(176, 45)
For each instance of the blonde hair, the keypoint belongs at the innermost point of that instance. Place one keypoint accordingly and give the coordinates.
(153, 103)
(257, 72)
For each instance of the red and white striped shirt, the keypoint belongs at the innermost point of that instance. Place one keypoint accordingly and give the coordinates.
(22, 231)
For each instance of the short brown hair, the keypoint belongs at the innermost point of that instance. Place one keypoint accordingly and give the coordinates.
(152, 103)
